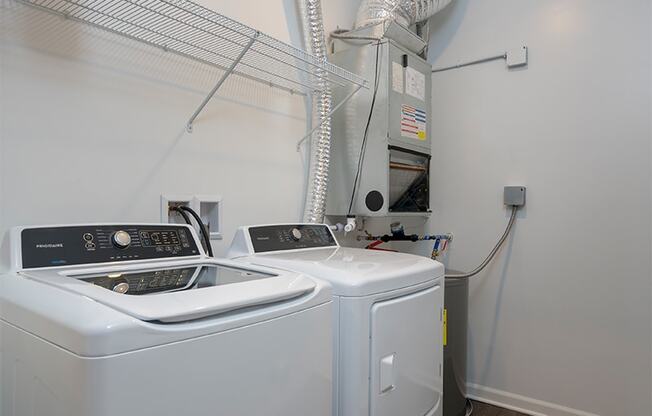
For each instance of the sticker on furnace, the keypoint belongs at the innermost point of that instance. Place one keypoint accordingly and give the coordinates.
(413, 122)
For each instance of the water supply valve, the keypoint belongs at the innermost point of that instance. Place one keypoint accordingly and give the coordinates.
(350, 224)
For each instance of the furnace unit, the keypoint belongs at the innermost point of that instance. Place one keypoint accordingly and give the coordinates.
(393, 176)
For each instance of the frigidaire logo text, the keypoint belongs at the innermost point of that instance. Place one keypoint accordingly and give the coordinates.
(50, 245)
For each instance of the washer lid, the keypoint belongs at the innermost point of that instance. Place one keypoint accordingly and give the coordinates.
(179, 291)
(353, 271)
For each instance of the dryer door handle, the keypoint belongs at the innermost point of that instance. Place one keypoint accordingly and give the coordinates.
(387, 373)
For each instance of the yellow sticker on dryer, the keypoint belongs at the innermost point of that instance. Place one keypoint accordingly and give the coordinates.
(445, 328)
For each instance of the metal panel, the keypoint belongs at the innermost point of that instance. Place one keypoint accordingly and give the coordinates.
(384, 126)
(415, 67)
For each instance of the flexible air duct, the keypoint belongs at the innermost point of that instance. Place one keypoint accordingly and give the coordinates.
(405, 12)
(320, 145)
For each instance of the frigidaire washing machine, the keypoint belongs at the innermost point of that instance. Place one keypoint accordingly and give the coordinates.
(388, 312)
(126, 320)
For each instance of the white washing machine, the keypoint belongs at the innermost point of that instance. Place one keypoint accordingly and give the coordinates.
(134, 320)
(388, 312)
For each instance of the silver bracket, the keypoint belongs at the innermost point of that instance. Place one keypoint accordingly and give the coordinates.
(323, 120)
(226, 74)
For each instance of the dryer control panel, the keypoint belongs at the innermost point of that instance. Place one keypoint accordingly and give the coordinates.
(85, 244)
(290, 237)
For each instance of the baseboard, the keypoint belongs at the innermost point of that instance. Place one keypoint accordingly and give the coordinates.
(519, 403)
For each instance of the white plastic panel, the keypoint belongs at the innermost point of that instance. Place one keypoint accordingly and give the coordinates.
(406, 353)
(183, 305)
(277, 367)
(352, 271)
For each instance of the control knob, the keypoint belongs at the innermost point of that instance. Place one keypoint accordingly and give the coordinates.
(121, 239)
(295, 233)
(122, 288)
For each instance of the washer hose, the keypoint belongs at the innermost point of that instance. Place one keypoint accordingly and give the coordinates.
(491, 255)
(184, 211)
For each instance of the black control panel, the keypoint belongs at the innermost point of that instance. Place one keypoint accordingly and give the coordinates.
(64, 246)
(290, 237)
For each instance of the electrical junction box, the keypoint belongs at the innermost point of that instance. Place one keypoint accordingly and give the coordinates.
(517, 57)
(394, 177)
(514, 196)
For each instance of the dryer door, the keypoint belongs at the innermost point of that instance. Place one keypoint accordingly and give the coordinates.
(406, 354)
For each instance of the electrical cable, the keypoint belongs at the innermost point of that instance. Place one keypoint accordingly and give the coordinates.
(469, 408)
(363, 146)
(202, 227)
(491, 255)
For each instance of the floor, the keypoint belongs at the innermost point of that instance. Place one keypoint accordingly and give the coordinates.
(483, 409)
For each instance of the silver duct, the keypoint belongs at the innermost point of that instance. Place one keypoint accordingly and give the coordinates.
(405, 12)
(320, 144)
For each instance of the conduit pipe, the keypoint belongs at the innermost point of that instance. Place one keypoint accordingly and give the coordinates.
(320, 144)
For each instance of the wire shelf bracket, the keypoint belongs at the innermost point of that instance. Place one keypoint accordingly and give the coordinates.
(187, 29)
(226, 74)
(328, 116)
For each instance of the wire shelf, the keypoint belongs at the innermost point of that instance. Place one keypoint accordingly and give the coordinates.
(188, 29)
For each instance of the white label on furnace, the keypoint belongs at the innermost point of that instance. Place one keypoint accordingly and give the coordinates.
(397, 77)
(415, 83)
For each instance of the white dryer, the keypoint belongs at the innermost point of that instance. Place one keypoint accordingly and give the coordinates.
(134, 320)
(388, 312)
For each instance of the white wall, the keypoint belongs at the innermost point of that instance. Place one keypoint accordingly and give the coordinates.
(92, 126)
(561, 321)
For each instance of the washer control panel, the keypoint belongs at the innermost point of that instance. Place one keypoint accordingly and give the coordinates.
(85, 244)
(290, 237)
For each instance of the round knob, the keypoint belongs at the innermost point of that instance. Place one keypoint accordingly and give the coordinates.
(121, 288)
(121, 239)
(296, 234)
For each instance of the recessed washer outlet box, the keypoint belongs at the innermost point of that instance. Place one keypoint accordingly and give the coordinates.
(208, 207)
(210, 211)
(169, 201)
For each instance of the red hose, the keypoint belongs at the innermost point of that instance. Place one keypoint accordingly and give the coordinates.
(374, 246)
